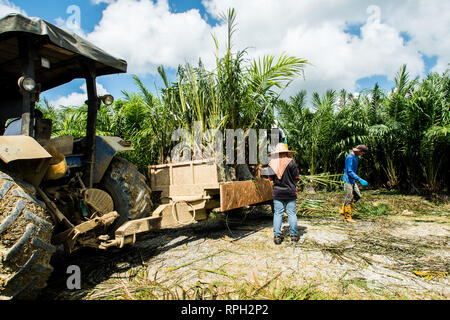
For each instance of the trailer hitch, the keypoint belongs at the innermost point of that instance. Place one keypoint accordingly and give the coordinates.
(70, 236)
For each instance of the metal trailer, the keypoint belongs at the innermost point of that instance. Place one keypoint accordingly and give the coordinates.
(189, 191)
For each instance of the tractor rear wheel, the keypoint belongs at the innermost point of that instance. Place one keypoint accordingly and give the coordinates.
(25, 233)
(129, 191)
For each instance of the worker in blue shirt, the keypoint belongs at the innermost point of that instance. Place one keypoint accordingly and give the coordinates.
(350, 177)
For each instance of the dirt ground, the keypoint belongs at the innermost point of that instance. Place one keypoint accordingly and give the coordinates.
(398, 249)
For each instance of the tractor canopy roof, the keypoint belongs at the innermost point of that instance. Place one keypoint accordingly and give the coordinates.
(59, 55)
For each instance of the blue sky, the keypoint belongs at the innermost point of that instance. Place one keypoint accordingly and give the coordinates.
(50, 10)
(351, 44)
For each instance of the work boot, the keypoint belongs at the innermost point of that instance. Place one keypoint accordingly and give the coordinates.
(294, 239)
(348, 214)
(277, 240)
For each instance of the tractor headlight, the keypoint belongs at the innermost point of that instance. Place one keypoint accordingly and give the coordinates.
(26, 83)
(107, 99)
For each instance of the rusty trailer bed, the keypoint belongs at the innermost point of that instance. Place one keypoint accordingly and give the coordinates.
(188, 191)
(200, 179)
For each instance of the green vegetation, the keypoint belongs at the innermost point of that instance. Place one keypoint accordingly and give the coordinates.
(406, 129)
(369, 210)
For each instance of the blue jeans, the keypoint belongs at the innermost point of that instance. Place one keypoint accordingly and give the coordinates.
(291, 211)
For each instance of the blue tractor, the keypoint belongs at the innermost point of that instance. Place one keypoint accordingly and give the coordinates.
(62, 191)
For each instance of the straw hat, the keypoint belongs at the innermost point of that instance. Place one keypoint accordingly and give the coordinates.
(281, 148)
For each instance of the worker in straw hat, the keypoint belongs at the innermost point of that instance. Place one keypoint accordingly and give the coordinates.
(284, 173)
(351, 190)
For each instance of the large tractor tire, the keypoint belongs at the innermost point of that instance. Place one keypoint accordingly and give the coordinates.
(129, 191)
(25, 233)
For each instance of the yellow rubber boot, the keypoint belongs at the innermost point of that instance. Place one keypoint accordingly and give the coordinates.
(348, 214)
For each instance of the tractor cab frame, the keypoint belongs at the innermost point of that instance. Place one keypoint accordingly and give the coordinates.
(37, 56)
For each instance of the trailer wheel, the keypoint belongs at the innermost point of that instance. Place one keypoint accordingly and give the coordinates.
(25, 233)
(129, 191)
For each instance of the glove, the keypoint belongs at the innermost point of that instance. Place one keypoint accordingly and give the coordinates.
(363, 182)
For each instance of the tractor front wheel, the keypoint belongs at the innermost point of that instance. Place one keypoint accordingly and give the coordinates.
(129, 191)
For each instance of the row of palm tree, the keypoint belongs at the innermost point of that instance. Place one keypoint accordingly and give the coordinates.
(407, 131)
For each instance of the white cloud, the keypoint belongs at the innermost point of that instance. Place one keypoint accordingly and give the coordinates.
(315, 30)
(7, 7)
(340, 59)
(147, 34)
(428, 24)
(77, 99)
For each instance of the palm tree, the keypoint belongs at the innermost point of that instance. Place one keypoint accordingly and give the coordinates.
(295, 118)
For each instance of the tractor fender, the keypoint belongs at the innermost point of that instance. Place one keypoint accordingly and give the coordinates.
(105, 149)
(21, 148)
